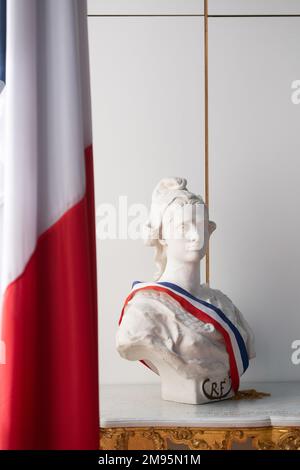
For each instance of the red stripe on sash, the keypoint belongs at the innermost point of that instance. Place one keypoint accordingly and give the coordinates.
(202, 316)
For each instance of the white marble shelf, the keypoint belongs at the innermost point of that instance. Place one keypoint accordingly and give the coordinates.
(141, 406)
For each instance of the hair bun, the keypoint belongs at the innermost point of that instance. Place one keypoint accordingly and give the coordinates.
(167, 185)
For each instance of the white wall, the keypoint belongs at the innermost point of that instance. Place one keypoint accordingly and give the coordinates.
(147, 78)
(255, 180)
(253, 7)
(104, 7)
(147, 99)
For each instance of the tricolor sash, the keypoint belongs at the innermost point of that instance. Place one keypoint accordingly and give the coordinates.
(207, 313)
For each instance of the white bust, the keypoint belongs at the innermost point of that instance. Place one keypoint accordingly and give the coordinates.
(191, 335)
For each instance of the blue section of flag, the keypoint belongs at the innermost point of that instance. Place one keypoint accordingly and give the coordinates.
(2, 39)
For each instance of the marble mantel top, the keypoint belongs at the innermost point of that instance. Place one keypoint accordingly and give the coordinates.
(141, 406)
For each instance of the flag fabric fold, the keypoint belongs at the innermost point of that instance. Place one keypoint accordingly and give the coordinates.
(49, 360)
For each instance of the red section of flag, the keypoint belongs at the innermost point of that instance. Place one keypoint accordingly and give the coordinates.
(49, 384)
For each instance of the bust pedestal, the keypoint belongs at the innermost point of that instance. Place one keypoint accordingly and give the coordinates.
(194, 391)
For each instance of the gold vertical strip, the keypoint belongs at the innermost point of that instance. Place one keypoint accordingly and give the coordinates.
(206, 149)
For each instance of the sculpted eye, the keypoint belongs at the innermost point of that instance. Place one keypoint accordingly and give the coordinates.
(183, 227)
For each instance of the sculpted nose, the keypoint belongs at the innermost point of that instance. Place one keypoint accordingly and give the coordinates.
(194, 235)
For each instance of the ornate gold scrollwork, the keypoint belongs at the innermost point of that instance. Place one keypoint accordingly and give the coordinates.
(154, 438)
(283, 440)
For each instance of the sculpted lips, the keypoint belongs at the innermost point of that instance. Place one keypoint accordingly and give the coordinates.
(193, 247)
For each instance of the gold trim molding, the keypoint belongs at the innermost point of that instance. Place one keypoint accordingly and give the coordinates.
(157, 438)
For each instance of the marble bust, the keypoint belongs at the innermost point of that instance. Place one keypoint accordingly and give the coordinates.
(191, 335)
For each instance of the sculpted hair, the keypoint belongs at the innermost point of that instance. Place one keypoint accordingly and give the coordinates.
(168, 192)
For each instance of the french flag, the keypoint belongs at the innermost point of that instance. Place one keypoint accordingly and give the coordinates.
(49, 360)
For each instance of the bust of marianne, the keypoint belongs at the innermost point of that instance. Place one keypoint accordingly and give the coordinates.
(191, 335)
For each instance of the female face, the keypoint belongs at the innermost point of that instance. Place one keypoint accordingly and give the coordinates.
(185, 232)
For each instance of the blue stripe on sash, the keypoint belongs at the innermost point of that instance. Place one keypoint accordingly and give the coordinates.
(239, 339)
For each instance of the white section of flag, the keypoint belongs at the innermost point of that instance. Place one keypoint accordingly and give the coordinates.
(47, 123)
